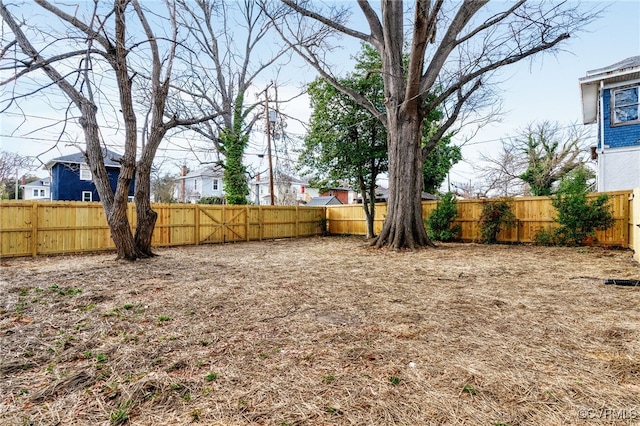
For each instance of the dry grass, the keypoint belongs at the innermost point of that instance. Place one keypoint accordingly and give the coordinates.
(322, 331)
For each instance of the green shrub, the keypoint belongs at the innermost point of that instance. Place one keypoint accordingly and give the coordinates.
(544, 237)
(323, 224)
(439, 222)
(578, 217)
(211, 200)
(495, 214)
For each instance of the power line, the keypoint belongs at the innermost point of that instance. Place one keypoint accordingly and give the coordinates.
(507, 137)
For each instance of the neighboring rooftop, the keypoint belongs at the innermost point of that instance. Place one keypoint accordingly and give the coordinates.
(328, 200)
(382, 195)
(38, 183)
(631, 62)
(78, 158)
(212, 171)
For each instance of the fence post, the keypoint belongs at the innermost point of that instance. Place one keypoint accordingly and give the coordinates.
(34, 229)
(196, 222)
(224, 224)
(297, 223)
(260, 222)
(246, 222)
(626, 237)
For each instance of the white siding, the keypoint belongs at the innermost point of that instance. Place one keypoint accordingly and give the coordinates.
(619, 169)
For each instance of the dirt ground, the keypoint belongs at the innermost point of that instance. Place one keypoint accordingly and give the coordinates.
(322, 331)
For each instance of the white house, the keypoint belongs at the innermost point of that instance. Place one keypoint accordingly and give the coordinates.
(611, 98)
(287, 190)
(205, 182)
(37, 190)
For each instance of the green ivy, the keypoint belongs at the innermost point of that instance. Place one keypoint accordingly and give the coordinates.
(235, 181)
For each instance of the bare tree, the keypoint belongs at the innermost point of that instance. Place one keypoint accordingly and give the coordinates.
(10, 165)
(500, 174)
(536, 159)
(98, 43)
(230, 47)
(453, 50)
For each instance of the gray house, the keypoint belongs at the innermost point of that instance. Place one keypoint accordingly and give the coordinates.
(205, 182)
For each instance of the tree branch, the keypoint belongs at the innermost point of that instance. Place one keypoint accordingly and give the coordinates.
(90, 32)
(442, 129)
(369, 14)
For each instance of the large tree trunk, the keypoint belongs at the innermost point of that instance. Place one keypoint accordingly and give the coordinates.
(404, 227)
(146, 216)
(121, 233)
(114, 204)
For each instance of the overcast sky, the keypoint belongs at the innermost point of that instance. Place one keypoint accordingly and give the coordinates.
(548, 89)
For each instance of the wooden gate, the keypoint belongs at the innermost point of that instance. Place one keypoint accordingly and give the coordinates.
(221, 225)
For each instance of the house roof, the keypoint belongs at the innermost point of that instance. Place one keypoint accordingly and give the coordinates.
(78, 158)
(41, 182)
(383, 193)
(327, 200)
(209, 171)
(281, 177)
(625, 70)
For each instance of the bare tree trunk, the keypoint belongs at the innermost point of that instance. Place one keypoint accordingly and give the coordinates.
(114, 206)
(368, 204)
(146, 216)
(404, 226)
(371, 220)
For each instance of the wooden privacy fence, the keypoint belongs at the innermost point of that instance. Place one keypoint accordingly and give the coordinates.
(533, 215)
(30, 228)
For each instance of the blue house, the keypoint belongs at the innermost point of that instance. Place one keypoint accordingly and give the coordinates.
(611, 98)
(71, 179)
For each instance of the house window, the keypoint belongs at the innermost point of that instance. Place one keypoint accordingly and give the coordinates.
(625, 105)
(85, 173)
(215, 184)
(42, 194)
(195, 184)
(87, 196)
(35, 192)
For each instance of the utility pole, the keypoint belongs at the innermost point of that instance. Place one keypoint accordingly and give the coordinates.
(266, 93)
